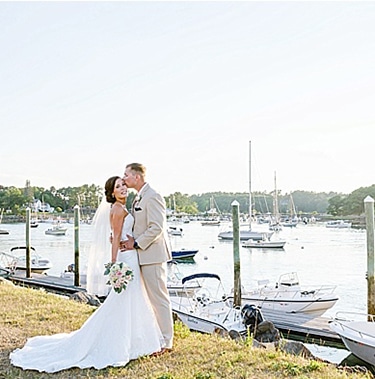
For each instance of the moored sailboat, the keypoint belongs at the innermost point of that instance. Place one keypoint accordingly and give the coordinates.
(248, 233)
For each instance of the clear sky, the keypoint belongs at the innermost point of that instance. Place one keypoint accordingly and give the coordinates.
(86, 87)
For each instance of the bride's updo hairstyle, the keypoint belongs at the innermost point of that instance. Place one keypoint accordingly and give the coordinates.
(108, 189)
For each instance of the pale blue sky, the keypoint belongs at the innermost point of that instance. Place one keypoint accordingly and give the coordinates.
(86, 87)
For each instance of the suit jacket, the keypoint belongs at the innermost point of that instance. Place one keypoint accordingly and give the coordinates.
(150, 227)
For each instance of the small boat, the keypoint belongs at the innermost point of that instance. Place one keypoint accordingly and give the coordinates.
(275, 226)
(245, 235)
(174, 282)
(289, 223)
(184, 253)
(210, 223)
(339, 224)
(175, 231)
(207, 312)
(14, 261)
(288, 296)
(265, 243)
(3, 231)
(34, 224)
(56, 230)
(358, 335)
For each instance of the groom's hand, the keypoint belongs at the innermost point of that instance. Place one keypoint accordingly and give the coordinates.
(127, 244)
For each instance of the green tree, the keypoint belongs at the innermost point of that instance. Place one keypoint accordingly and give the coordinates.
(335, 205)
(13, 198)
(353, 204)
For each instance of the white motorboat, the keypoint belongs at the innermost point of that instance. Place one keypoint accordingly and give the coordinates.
(339, 224)
(175, 231)
(205, 311)
(15, 261)
(357, 335)
(210, 223)
(56, 230)
(174, 282)
(245, 235)
(288, 296)
(265, 243)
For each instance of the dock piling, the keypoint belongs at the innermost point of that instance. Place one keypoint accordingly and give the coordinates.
(236, 253)
(369, 212)
(76, 246)
(28, 266)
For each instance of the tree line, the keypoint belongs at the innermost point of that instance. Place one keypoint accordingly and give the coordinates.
(15, 200)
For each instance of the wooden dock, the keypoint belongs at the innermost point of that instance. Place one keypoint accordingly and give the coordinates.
(55, 284)
(295, 326)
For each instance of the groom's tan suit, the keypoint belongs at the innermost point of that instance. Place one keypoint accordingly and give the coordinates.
(150, 234)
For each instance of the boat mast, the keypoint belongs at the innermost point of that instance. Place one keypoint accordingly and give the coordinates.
(249, 185)
(276, 203)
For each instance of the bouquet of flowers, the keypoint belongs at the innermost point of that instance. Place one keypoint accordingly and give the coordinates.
(120, 275)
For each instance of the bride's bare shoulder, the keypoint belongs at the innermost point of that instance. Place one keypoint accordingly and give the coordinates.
(119, 210)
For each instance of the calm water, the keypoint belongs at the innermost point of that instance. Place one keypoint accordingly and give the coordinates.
(319, 255)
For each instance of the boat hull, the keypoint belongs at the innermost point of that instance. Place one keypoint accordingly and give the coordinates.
(39, 266)
(339, 224)
(56, 232)
(184, 254)
(245, 235)
(358, 337)
(36, 270)
(199, 324)
(314, 307)
(264, 245)
(208, 317)
(313, 302)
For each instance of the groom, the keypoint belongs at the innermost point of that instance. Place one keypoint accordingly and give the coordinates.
(153, 251)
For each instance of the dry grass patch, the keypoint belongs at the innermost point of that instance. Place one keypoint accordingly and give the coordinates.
(25, 313)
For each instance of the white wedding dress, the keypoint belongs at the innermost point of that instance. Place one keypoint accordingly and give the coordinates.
(121, 329)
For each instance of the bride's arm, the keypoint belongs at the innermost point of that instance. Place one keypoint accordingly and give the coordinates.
(117, 220)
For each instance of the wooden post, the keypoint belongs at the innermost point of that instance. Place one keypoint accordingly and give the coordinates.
(28, 266)
(76, 246)
(236, 253)
(369, 212)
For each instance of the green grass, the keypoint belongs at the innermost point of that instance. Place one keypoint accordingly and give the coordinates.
(26, 312)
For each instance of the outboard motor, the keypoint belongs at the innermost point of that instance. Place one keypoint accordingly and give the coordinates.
(251, 316)
(264, 330)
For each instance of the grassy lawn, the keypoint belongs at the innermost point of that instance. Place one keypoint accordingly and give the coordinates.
(26, 312)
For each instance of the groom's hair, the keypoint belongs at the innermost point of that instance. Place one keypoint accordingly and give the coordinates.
(138, 168)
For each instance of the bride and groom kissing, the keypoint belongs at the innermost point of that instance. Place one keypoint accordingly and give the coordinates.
(130, 324)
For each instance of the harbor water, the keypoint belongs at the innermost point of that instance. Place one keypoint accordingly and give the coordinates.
(319, 255)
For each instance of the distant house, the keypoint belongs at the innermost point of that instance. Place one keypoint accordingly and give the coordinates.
(42, 207)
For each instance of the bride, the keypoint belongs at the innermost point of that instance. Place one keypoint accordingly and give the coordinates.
(121, 329)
